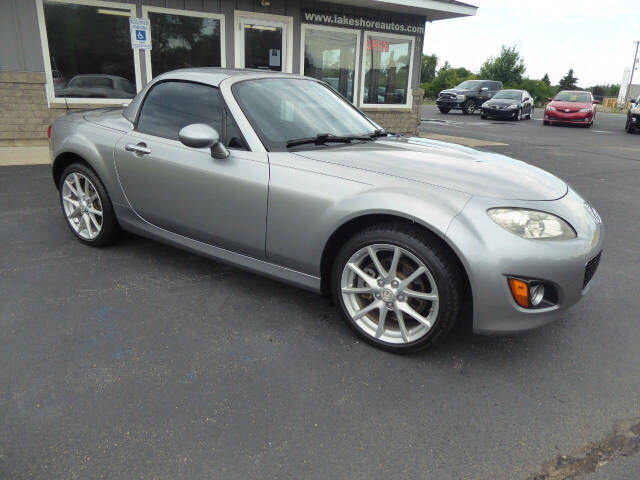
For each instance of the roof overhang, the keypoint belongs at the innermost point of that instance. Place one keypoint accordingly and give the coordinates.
(432, 9)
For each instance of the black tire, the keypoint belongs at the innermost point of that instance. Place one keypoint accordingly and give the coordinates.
(469, 107)
(518, 115)
(444, 110)
(545, 122)
(530, 114)
(110, 229)
(629, 126)
(441, 263)
(483, 117)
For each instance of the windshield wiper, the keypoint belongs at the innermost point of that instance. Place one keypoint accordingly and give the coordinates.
(381, 132)
(323, 138)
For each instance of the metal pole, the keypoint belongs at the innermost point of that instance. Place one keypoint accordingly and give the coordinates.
(633, 68)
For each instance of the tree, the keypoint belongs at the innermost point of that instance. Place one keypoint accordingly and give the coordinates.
(546, 79)
(508, 67)
(428, 69)
(568, 82)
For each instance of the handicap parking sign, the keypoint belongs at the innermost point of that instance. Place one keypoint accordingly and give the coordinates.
(140, 33)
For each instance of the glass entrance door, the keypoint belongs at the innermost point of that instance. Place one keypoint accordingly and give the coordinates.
(263, 44)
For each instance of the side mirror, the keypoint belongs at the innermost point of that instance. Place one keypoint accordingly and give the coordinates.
(526, 99)
(596, 102)
(201, 135)
(484, 89)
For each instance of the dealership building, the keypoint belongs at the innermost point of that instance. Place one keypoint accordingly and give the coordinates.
(57, 55)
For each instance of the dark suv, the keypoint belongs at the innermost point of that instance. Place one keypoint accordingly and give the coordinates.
(633, 116)
(468, 96)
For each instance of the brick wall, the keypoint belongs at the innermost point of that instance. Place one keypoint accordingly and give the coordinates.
(403, 121)
(24, 115)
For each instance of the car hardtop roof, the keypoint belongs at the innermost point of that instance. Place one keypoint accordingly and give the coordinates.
(575, 91)
(512, 90)
(214, 75)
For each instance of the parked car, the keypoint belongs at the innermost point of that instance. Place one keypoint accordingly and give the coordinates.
(633, 116)
(97, 86)
(514, 104)
(280, 175)
(571, 107)
(467, 96)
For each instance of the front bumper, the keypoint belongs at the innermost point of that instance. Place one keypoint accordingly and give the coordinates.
(558, 116)
(492, 112)
(634, 119)
(451, 104)
(491, 254)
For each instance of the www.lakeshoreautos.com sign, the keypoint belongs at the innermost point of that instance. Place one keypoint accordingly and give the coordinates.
(357, 21)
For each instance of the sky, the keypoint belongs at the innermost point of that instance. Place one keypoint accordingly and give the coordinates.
(595, 38)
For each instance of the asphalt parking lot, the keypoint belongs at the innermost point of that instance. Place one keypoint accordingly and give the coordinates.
(143, 361)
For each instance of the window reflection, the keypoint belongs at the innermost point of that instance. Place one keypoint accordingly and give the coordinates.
(263, 47)
(90, 51)
(386, 70)
(181, 41)
(330, 56)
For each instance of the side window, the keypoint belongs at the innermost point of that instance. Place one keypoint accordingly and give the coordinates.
(495, 86)
(170, 106)
(234, 138)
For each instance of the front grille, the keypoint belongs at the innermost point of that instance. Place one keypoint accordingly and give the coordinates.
(590, 269)
(448, 96)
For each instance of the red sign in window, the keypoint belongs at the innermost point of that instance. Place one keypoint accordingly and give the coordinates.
(377, 45)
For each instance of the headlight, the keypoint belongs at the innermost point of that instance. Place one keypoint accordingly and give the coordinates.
(549, 107)
(514, 106)
(532, 224)
(585, 110)
(460, 97)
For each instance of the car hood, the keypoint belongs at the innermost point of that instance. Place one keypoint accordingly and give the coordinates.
(447, 165)
(457, 91)
(502, 101)
(571, 105)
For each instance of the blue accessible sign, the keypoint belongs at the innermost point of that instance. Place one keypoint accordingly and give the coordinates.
(140, 33)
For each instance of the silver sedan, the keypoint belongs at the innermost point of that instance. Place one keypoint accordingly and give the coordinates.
(280, 175)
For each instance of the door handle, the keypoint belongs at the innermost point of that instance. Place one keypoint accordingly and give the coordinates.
(141, 149)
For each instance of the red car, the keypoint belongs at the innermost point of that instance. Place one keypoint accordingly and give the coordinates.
(575, 107)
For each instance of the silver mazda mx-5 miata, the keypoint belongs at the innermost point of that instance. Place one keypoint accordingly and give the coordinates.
(280, 175)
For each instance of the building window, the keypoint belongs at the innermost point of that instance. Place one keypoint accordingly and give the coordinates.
(87, 50)
(387, 69)
(331, 55)
(182, 39)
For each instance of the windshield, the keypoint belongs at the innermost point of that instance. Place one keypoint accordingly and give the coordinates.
(470, 85)
(285, 109)
(509, 95)
(573, 97)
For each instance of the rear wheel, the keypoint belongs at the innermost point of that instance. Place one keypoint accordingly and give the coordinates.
(483, 116)
(469, 107)
(444, 110)
(86, 206)
(399, 288)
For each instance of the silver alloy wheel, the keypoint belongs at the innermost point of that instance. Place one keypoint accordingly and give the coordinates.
(389, 293)
(82, 205)
(470, 107)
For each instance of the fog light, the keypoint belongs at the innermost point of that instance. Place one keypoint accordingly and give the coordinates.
(520, 291)
(536, 294)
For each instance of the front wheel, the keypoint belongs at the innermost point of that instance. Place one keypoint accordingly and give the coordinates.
(443, 110)
(86, 206)
(469, 107)
(629, 126)
(399, 288)
(518, 115)
(530, 114)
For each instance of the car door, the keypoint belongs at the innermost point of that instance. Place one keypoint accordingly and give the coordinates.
(485, 95)
(222, 202)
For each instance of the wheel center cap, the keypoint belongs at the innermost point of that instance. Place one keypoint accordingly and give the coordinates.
(83, 206)
(387, 295)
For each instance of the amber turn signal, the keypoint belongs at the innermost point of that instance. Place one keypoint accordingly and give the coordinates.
(520, 291)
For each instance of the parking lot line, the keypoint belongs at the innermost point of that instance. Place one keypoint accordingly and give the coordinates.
(469, 142)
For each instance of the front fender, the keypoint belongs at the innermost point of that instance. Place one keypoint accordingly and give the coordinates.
(306, 209)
